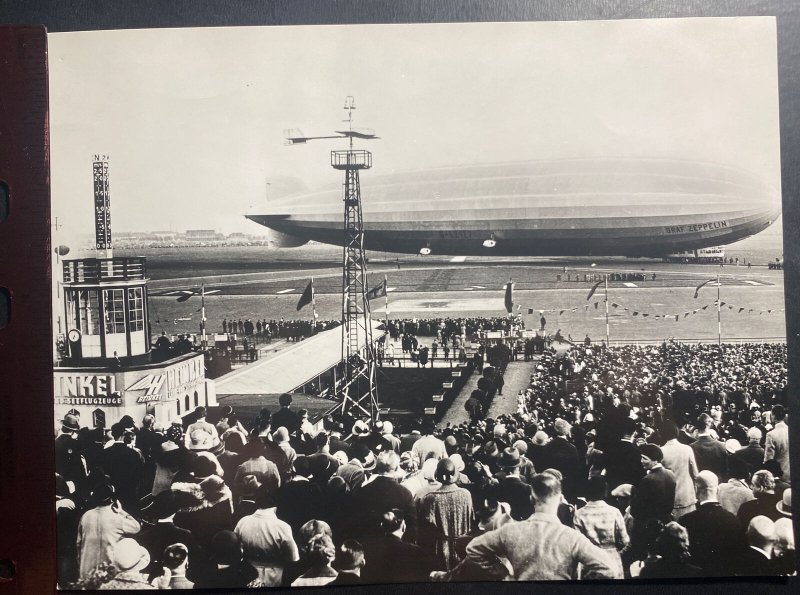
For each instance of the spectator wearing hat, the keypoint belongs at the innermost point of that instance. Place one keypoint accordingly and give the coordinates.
(266, 540)
(391, 559)
(756, 560)
(227, 569)
(751, 455)
(204, 507)
(354, 471)
(407, 441)
(652, 502)
(602, 523)
(783, 552)
(163, 532)
(169, 460)
(715, 535)
(709, 452)
(735, 492)
(300, 499)
(679, 458)
(281, 440)
(429, 446)
(124, 466)
(537, 453)
(777, 442)
(285, 417)
(392, 442)
(785, 505)
(100, 528)
(200, 431)
(526, 466)
(70, 463)
(444, 515)
(348, 563)
(380, 492)
(562, 455)
(129, 559)
(510, 488)
(623, 459)
(256, 470)
(540, 548)
(765, 502)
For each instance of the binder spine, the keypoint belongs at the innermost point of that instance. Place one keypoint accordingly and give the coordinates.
(27, 514)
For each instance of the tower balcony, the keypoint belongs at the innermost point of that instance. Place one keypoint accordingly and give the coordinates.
(352, 159)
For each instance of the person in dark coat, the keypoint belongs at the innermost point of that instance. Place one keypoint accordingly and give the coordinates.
(716, 537)
(299, 499)
(348, 563)
(623, 461)
(563, 456)
(285, 417)
(751, 455)
(766, 500)
(709, 452)
(206, 507)
(390, 559)
(756, 559)
(124, 466)
(228, 569)
(652, 501)
(69, 459)
(672, 558)
(380, 493)
(510, 488)
(163, 533)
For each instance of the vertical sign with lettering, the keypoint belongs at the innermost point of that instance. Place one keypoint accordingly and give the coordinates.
(102, 203)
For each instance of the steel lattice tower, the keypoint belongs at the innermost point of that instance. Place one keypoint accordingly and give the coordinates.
(356, 391)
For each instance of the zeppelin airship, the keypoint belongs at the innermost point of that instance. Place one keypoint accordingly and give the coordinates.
(566, 207)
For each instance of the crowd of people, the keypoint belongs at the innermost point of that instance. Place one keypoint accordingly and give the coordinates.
(445, 329)
(267, 330)
(659, 462)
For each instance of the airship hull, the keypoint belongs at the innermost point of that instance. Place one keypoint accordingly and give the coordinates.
(622, 207)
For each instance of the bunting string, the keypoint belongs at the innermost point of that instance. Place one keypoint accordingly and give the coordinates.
(621, 308)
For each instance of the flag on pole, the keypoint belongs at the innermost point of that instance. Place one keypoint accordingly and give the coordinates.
(699, 287)
(307, 297)
(378, 291)
(593, 289)
(509, 297)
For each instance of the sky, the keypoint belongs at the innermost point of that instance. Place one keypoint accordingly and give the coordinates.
(193, 119)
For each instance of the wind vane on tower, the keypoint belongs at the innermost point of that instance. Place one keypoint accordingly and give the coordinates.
(356, 392)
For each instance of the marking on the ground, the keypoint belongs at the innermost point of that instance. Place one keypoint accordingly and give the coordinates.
(285, 291)
(628, 284)
(389, 289)
(458, 259)
(757, 283)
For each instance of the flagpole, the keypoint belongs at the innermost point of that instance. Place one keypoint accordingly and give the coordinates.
(313, 308)
(203, 341)
(608, 339)
(719, 315)
(386, 303)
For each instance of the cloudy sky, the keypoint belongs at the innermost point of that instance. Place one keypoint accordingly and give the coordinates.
(193, 119)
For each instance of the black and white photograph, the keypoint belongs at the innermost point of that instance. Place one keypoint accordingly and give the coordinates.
(366, 304)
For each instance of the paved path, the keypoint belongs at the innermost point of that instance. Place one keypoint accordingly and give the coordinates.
(517, 378)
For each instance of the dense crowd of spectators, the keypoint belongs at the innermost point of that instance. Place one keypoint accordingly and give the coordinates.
(444, 329)
(267, 330)
(665, 461)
